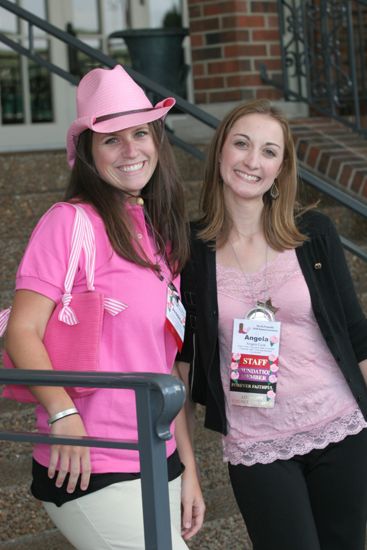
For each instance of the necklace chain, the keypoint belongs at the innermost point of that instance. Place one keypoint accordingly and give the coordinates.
(248, 279)
(249, 236)
(263, 309)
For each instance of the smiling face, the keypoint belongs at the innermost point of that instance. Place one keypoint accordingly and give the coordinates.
(252, 156)
(126, 159)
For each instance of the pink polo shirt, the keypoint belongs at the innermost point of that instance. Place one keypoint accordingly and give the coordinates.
(135, 340)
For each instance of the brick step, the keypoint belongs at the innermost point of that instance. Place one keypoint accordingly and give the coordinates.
(17, 459)
(333, 151)
(21, 513)
(222, 533)
(50, 539)
(33, 172)
(31, 206)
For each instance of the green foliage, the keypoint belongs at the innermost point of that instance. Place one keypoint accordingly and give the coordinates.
(172, 19)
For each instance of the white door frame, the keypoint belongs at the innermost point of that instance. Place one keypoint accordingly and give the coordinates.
(46, 135)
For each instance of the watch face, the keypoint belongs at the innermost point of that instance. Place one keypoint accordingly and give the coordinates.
(260, 313)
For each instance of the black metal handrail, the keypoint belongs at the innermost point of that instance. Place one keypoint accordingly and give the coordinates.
(343, 198)
(159, 398)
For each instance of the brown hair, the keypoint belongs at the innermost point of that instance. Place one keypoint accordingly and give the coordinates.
(278, 216)
(163, 203)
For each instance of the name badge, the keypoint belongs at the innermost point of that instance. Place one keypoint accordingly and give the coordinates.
(175, 315)
(254, 367)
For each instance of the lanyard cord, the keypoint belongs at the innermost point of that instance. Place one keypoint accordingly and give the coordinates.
(248, 279)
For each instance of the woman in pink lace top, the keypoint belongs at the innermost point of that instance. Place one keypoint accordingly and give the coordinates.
(277, 343)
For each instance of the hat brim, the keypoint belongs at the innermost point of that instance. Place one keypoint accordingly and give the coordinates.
(114, 124)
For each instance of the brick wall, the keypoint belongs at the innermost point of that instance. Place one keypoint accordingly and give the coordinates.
(230, 39)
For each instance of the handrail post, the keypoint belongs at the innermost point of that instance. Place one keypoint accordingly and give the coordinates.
(154, 478)
(159, 398)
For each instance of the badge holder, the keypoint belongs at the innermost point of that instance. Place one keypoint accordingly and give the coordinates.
(255, 354)
(175, 315)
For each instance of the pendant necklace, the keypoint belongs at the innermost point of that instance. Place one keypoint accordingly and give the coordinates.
(264, 309)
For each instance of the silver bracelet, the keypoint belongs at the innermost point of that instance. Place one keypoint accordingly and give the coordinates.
(61, 414)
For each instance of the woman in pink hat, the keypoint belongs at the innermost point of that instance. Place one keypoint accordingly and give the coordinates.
(123, 177)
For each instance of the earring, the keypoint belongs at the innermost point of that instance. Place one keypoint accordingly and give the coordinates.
(274, 191)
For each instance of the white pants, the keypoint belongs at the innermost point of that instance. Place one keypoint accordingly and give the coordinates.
(112, 518)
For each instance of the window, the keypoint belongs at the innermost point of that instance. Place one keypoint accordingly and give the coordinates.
(26, 94)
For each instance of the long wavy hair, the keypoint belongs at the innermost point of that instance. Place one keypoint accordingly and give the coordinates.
(164, 204)
(278, 216)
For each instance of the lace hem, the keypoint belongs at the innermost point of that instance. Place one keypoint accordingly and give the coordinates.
(264, 452)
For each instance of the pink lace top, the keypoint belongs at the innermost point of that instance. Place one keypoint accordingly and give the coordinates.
(314, 405)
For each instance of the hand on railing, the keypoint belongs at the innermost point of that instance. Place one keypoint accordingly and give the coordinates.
(70, 459)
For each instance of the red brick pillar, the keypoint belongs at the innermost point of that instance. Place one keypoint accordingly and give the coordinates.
(229, 41)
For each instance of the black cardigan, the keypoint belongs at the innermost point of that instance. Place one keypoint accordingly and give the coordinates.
(334, 302)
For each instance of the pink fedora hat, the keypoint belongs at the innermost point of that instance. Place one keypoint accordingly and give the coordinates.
(109, 100)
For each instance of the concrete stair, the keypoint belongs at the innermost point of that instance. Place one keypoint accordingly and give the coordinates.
(29, 184)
